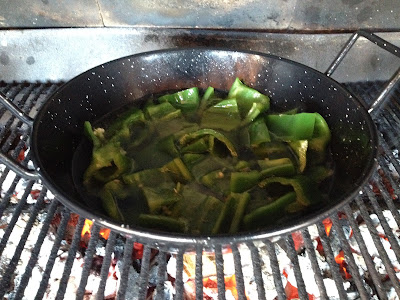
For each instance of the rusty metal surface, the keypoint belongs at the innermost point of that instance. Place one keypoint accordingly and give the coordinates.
(232, 14)
(60, 54)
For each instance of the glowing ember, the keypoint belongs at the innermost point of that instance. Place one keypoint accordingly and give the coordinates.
(340, 260)
(211, 287)
(87, 227)
(328, 225)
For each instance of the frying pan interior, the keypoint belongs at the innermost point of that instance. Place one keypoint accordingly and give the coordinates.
(57, 130)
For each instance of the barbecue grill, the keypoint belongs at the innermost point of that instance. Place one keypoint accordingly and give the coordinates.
(50, 252)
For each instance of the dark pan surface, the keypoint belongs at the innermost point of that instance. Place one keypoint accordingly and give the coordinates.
(58, 127)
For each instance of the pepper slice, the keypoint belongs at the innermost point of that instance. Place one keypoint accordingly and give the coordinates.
(186, 100)
(291, 128)
(258, 133)
(250, 101)
(270, 213)
(276, 167)
(223, 115)
(320, 139)
(243, 181)
(108, 163)
(231, 216)
(306, 190)
(163, 223)
(207, 131)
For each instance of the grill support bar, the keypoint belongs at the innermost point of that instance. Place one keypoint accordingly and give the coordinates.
(50, 262)
(106, 265)
(126, 265)
(314, 263)
(88, 261)
(331, 260)
(70, 259)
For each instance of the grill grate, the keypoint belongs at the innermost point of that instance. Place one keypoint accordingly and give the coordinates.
(355, 253)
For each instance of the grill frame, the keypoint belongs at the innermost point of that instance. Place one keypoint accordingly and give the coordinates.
(364, 203)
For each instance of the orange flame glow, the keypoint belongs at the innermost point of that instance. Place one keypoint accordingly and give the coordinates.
(340, 260)
(328, 225)
(230, 284)
(87, 227)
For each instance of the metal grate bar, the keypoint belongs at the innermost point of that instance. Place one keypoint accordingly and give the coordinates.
(7, 276)
(199, 272)
(255, 258)
(144, 273)
(314, 263)
(349, 257)
(18, 209)
(219, 263)
(35, 251)
(70, 259)
(239, 273)
(179, 275)
(126, 263)
(275, 270)
(106, 265)
(6, 199)
(292, 254)
(331, 260)
(88, 261)
(161, 273)
(378, 244)
(364, 252)
(52, 257)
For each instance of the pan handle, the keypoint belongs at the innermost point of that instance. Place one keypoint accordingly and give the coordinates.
(15, 110)
(382, 97)
(4, 159)
(17, 168)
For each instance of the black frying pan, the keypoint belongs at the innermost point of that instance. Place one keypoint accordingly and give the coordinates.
(57, 128)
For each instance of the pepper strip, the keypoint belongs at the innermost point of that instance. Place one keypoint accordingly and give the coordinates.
(269, 213)
(206, 131)
(291, 128)
(306, 190)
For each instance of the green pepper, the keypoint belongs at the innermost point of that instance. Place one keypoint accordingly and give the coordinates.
(270, 213)
(88, 131)
(123, 202)
(243, 181)
(163, 110)
(186, 100)
(291, 128)
(206, 100)
(250, 101)
(151, 178)
(320, 139)
(122, 126)
(231, 216)
(178, 170)
(276, 167)
(201, 209)
(158, 198)
(258, 132)
(207, 131)
(223, 115)
(217, 181)
(200, 145)
(164, 223)
(300, 149)
(306, 190)
(108, 163)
